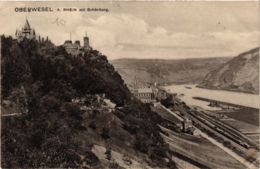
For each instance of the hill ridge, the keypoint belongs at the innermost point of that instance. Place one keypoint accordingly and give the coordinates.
(239, 74)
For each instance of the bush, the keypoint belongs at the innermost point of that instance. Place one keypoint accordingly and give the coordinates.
(168, 102)
(108, 153)
(105, 133)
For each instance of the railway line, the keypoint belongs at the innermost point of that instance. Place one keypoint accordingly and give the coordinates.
(226, 130)
(217, 141)
(225, 134)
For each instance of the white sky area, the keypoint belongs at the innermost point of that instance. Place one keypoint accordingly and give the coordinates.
(163, 30)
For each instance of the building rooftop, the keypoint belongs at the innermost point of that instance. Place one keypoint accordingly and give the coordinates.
(145, 90)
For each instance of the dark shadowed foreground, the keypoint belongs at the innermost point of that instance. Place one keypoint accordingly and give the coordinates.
(56, 110)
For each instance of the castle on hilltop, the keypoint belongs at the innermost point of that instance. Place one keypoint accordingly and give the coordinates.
(75, 48)
(28, 32)
(72, 48)
(25, 32)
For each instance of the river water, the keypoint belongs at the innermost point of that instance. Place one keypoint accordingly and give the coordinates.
(187, 92)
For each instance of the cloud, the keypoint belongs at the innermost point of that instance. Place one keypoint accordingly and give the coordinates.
(129, 35)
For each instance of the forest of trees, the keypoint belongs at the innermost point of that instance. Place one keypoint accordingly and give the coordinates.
(42, 79)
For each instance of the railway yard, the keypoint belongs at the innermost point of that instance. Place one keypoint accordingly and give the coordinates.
(243, 152)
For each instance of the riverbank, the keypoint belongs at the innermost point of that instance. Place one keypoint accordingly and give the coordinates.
(187, 93)
(228, 89)
(241, 113)
(222, 104)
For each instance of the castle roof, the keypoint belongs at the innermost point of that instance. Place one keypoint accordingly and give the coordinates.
(67, 41)
(27, 25)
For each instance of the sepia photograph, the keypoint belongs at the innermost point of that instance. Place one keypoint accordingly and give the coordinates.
(130, 84)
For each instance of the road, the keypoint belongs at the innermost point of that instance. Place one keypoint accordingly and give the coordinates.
(249, 165)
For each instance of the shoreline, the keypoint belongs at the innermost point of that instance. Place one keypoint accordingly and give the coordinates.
(224, 103)
(238, 98)
(229, 90)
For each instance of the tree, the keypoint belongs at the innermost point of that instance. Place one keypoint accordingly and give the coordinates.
(108, 153)
(93, 125)
(105, 133)
(168, 102)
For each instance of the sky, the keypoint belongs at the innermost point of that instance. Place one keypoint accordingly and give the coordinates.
(162, 30)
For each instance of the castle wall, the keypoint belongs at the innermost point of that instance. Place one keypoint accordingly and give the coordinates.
(75, 48)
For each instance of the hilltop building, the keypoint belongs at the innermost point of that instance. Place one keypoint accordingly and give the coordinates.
(72, 48)
(75, 48)
(29, 33)
(86, 42)
(25, 32)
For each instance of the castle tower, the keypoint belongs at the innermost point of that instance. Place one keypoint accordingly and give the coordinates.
(27, 25)
(86, 42)
(77, 42)
(25, 32)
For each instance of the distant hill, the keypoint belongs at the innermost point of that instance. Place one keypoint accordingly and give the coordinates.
(184, 71)
(239, 74)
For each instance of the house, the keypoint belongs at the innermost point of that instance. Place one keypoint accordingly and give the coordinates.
(146, 94)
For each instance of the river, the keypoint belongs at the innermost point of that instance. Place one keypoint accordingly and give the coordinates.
(187, 92)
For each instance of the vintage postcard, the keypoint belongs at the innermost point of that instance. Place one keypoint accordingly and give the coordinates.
(130, 84)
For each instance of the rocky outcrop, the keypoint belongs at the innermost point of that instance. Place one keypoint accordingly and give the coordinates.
(239, 74)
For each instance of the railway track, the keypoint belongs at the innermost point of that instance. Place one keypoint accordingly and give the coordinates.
(221, 131)
(226, 130)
